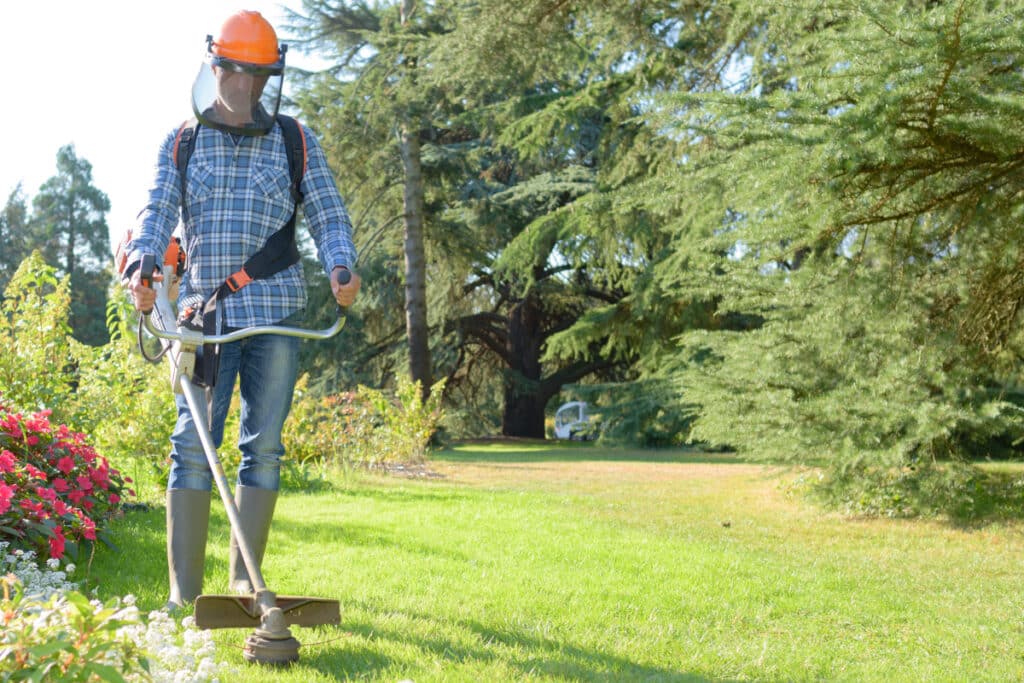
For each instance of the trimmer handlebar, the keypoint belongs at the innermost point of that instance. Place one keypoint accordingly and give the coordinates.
(194, 337)
(200, 338)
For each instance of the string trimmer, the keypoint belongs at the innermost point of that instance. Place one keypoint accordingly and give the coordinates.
(270, 614)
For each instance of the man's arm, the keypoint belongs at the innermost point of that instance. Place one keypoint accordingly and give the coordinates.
(329, 223)
(159, 217)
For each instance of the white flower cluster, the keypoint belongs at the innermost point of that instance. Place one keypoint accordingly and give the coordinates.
(39, 584)
(175, 653)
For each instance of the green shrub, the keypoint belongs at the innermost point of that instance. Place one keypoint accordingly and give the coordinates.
(955, 490)
(37, 366)
(65, 637)
(49, 631)
(367, 427)
(124, 402)
(108, 392)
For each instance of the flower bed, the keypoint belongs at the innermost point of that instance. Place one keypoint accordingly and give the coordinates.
(56, 493)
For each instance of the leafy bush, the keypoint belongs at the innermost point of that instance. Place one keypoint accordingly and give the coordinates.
(954, 490)
(66, 637)
(367, 427)
(36, 367)
(122, 401)
(56, 493)
(108, 392)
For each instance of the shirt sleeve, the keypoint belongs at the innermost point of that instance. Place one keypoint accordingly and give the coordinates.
(326, 215)
(159, 216)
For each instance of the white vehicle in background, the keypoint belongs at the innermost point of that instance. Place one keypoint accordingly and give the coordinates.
(572, 422)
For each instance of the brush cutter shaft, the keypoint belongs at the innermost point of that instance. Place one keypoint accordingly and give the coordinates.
(194, 405)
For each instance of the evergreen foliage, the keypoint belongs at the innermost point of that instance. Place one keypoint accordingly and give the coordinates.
(68, 225)
(793, 226)
(582, 74)
(856, 196)
(372, 132)
(13, 231)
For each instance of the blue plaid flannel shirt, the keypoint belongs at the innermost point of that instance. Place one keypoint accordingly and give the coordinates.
(239, 194)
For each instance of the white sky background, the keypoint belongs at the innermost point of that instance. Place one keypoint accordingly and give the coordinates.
(111, 77)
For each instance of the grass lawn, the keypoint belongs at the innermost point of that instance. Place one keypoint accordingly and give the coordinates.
(544, 563)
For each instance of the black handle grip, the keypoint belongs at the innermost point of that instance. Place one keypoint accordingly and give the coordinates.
(146, 273)
(345, 276)
(146, 270)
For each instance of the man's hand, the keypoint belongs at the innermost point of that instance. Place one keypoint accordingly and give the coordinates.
(344, 291)
(143, 297)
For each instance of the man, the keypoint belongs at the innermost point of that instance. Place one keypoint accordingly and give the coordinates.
(238, 192)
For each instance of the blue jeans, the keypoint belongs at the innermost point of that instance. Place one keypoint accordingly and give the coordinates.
(266, 367)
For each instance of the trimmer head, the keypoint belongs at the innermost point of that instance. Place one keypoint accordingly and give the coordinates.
(271, 642)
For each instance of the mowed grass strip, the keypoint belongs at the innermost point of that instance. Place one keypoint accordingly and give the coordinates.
(529, 562)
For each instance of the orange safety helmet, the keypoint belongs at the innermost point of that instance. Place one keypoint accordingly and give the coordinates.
(221, 98)
(248, 38)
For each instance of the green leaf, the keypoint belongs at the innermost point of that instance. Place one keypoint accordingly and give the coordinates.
(105, 672)
(80, 602)
(49, 648)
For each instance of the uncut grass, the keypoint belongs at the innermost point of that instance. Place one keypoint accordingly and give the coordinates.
(525, 564)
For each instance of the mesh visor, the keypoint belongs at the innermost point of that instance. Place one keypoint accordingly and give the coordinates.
(237, 97)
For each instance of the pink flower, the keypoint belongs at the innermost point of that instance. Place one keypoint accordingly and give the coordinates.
(84, 483)
(7, 461)
(32, 440)
(57, 543)
(61, 486)
(100, 476)
(60, 508)
(6, 494)
(46, 494)
(33, 472)
(87, 504)
(87, 453)
(31, 506)
(11, 426)
(114, 499)
(90, 528)
(66, 464)
(76, 496)
(38, 422)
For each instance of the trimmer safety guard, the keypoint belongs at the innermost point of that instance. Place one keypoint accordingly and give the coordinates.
(243, 611)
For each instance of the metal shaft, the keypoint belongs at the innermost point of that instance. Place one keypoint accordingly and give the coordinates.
(255, 575)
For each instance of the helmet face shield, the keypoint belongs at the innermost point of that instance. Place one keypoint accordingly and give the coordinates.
(237, 97)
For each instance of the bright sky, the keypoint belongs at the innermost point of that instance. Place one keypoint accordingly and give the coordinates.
(112, 77)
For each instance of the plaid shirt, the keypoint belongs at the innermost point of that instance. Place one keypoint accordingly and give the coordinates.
(239, 194)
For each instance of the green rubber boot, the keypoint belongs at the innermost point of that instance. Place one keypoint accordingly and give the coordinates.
(188, 520)
(255, 511)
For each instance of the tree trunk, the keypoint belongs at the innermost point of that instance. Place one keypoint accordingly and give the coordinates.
(415, 253)
(524, 403)
(69, 254)
(415, 263)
